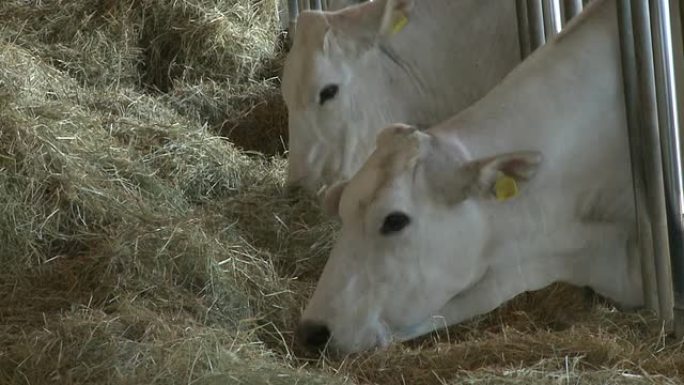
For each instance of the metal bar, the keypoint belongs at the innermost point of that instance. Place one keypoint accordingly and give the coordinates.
(282, 15)
(547, 11)
(557, 15)
(631, 88)
(571, 8)
(293, 13)
(652, 156)
(552, 19)
(535, 18)
(677, 38)
(523, 28)
(304, 5)
(668, 118)
(316, 4)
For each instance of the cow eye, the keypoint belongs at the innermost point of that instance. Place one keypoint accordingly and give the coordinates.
(328, 92)
(394, 223)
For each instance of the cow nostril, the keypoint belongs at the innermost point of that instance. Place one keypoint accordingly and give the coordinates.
(313, 335)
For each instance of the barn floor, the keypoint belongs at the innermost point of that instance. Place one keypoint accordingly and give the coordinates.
(141, 247)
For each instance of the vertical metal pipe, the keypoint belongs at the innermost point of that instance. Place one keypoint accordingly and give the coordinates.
(677, 33)
(282, 15)
(677, 18)
(304, 5)
(547, 11)
(668, 117)
(571, 8)
(557, 15)
(523, 28)
(293, 13)
(644, 240)
(316, 4)
(652, 156)
(552, 20)
(535, 18)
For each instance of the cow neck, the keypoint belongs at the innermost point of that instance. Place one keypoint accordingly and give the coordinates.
(558, 83)
(535, 240)
(432, 50)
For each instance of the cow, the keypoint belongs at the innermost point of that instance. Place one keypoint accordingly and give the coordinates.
(530, 185)
(351, 72)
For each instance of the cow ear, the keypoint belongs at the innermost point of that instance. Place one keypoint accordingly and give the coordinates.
(357, 29)
(392, 131)
(501, 177)
(396, 16)
(331, 199)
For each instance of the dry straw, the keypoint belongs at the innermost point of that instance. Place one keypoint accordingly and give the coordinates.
(138, 247)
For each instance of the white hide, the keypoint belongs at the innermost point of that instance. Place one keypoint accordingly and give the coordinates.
(449, 54)
(573, 220)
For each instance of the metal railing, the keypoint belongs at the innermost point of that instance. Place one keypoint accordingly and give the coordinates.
(653, 69)
(540, 20)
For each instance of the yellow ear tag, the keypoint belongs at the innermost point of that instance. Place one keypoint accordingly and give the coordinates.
(505, 187)
(400, 24)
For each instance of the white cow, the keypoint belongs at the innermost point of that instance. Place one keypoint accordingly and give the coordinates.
(354, 71)
(529, 186)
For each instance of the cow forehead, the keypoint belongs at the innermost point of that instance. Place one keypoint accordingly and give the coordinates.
(394, 158)
(304, 57)
(311, 29)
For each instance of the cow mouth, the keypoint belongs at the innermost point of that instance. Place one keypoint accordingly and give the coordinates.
(435, 322)
(378, 338)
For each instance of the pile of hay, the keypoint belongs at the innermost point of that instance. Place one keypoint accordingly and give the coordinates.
(128, 249)
(139, 247)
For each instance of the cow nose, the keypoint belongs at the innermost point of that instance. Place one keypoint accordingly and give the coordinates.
(313, 335)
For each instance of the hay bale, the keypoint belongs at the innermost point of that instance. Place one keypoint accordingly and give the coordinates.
(254, 118)
(148, 43)
(210, 38)
(203, 55)
(138, 346)
(83, 38)
(112, 261)
(260, 124)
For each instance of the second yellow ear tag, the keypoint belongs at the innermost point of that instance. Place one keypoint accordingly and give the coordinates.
(399, 24)
(505, 187)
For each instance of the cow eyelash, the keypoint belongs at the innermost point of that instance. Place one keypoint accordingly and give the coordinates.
(394, 223)
(328, 92)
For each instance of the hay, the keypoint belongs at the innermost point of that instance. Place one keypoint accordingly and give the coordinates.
(255, 119)
(117, 264)
(203, 55)
(150, 43)
(140, 247)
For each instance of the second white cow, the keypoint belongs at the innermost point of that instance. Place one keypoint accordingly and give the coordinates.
(350, 73)
(529, 186)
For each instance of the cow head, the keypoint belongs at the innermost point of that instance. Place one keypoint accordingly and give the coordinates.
(414, 231)
(332, 87)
